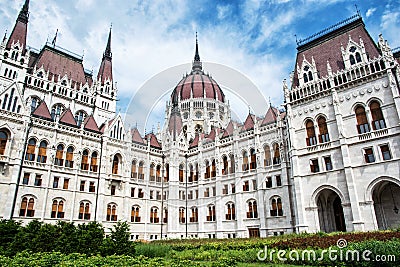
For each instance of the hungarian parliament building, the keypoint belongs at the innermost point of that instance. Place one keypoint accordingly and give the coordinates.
(327, 160)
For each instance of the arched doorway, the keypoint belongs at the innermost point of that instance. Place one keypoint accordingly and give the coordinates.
(330, 212)
(386, 197)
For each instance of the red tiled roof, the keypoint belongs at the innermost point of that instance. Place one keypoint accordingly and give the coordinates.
(175, 123)
(229, 130)
(18, 34)
(211, 135)
(102, 127)
(67, 118)
(105, 71)
(153, 140)
(270, 116)
(199, 85)
(90, 124)
(59, 63)
(328, 48)
(42, 111)
(136, 137)
(195, 141)
(249, 123)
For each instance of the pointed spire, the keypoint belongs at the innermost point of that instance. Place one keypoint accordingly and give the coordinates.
(24, 13)
(196, 55)
(19, 32)
(108, 53)
(105, 71)
(196, 63)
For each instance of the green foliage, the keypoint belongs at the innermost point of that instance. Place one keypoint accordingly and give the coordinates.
(118, 241)
(152, 250)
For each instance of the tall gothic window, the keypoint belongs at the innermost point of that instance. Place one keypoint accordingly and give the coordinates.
(85, 160)
(69, 157)
(311, 139)
(378, 121)
(30, 151)
(3, 141)
(253, 160)
(93, 162)
(252, 209)
(323, 130)
(362, 121)
(59, 155)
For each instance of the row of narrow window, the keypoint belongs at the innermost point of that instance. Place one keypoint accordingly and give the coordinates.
(363, 126)
(27, 209)
(60, 160)
(10, 102)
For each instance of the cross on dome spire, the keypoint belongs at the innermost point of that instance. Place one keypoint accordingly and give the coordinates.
(197, 66)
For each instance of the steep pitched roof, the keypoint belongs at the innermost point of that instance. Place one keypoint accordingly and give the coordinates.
(175, 123)
(229, 130)
(153, 140)
(136, 137)
(105, 71)
(67, 118)
(270, 116)
(19, 31)
(249, 122)
(42, 111)
(328, 48)
(195, 141)
(212, 134)
(58, 62)
(90, 124)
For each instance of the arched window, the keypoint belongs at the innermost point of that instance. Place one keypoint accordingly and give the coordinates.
(211, 213)
(352, 60)
(27, 207)
(276, 207)
(135, 214)
(245, 165)
(232, 160)
(207, 174)
(134, 170)
(56, 111)
(213, 169)
(79, 117)
(231, 214)
(195, 215)
(305, 77)
(323, 130)
(154, 215)
(253, 160)
(152, 173)
(85, 160)
(111, 213)
(225, 165)
(166, 178)
(115, 164)
(277, 155)
(358, 57)
(252, 211)
(158, 174)
(141, 170)
(30, 151)
(378, 122)
(34, 103)
(311, 139)
(57, 209)
(267, 155)
(84, 211)
(310, 76)
(93, 162)
(181, 172)
(59, 155)
(165, 218)
(69, 157)
(196, 174)
(191, 173)
(42, 156)
(182, 215)
(362, 121)
(3, 141)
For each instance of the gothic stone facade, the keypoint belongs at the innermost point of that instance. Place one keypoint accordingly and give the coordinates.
(328, 162)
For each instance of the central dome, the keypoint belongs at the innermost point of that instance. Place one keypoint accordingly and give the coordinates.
(197, 84)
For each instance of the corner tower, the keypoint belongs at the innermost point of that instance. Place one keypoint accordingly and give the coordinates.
(106, 91)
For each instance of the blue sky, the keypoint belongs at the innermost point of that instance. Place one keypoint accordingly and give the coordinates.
(256, 38)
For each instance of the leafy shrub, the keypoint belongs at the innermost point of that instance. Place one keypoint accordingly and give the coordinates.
(152, 250)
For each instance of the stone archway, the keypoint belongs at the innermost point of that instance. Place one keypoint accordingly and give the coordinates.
(386, 197)
(330, 211)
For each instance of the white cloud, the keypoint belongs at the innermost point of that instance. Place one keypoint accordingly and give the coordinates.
(370, 11)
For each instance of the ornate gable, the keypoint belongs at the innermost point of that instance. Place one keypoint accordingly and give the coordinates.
(11, 99)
